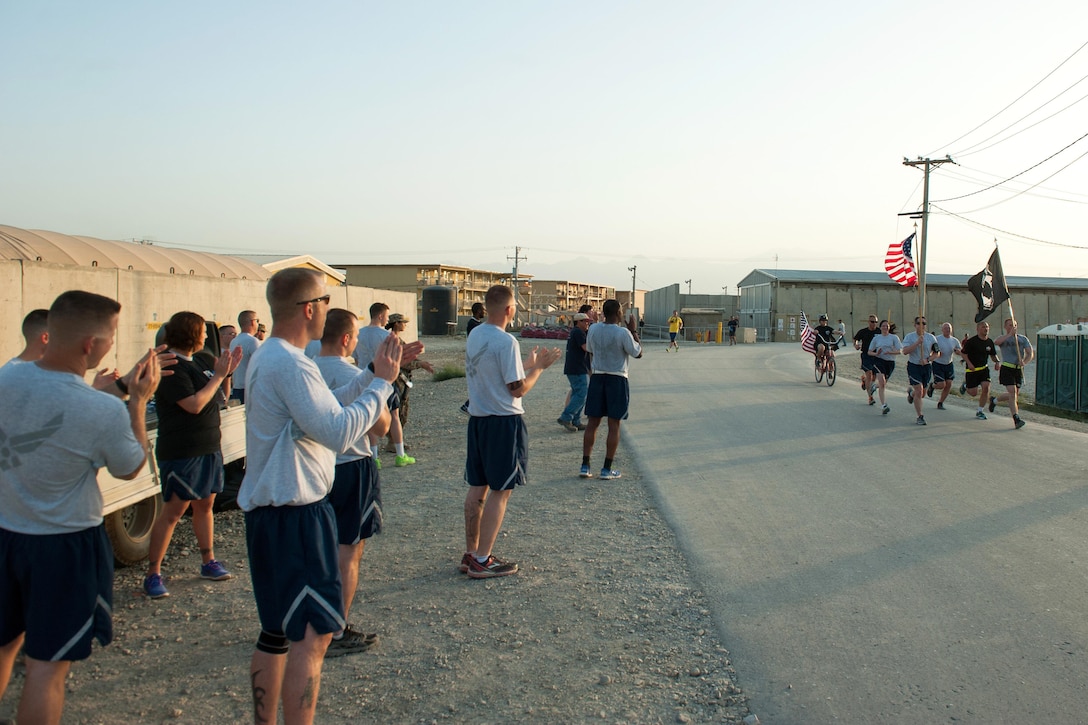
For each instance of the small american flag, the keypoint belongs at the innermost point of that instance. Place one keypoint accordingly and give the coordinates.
(808, 335)
(900, 265)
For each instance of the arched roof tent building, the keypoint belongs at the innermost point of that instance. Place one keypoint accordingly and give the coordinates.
(36, 245)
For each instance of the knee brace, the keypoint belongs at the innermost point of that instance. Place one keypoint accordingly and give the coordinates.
(273, 644)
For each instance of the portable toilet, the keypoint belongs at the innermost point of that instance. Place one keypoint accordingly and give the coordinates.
(1061, 372)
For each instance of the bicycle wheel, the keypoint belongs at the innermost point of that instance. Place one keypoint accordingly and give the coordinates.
(831, 371)
(819, 372)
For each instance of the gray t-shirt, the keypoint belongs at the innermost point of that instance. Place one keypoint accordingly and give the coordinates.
(915, 356)
(249, 345)
(64, 431)
(611, 346)
(492, 360)
(370, 337)
(1008, 350)
(889, 345)
(295, 426)
(338, 372)
(948, 345)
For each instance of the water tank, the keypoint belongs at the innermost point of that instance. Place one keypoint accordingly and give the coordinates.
(439, 309)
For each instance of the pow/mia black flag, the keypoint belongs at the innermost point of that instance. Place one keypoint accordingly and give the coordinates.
(989, 288)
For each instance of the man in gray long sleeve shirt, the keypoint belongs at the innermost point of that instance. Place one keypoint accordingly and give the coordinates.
(295, 427)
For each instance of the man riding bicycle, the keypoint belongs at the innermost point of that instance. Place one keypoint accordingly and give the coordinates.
(825, 339)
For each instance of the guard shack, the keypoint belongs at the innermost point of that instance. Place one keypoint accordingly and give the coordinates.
(1061, 372)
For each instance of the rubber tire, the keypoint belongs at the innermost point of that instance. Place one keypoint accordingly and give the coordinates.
(832, 372)
(129, 530)
(819, 372)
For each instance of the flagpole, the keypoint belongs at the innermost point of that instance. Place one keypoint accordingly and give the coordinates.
(1012, 315)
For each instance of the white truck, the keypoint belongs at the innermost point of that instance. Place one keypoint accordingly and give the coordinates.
(130, 507)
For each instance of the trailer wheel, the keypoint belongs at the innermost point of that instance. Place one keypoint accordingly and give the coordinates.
(129, 530)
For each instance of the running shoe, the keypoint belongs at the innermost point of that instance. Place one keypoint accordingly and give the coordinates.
(871, 401)
(1019, 423)
(493, 567)
(608, 474)
(154, 588)
(584, 472)
(921, 420)
(463, 567)
(980, 415)
(993, 404)
(215, 571)
(929, 391)
(963, 388)
(352, 642)
(566, 424)
(886, 410)
(873, 388)
(464, 408)
(910, 396)
(940, 406)
(377, 462)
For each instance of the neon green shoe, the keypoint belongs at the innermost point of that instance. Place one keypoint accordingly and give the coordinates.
(377, 463)
(404, 461)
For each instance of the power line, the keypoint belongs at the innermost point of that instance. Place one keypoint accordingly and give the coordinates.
(992, 186)
(1006, 233)
(1024, 191)
(1011, 104)
(968, 152)
(970, 179)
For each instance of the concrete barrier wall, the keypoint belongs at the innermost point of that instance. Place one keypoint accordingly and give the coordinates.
(149, 299)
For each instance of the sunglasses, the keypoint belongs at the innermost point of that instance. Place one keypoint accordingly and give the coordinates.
(324, 298)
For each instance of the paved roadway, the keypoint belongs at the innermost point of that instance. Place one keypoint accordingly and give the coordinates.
(862, 568)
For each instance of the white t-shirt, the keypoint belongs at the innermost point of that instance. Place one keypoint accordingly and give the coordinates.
(63, 432)
(611, 346)
(249, 345)
(338, 372)
(370, 337)
(492, 360)
(295, 426)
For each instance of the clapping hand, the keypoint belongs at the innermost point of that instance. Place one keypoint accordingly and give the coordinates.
(542, 358)
(144, 377)
(390, 356)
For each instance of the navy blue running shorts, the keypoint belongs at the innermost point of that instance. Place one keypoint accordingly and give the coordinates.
(293, 565)
(867, 362)
(497, 452)
(608, 397)
(884, 367)
(943, 372)
(356, 498)
(192, 479)
(58, 588)
(919, 374)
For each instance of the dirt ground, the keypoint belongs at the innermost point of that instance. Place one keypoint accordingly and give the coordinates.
(602, 624)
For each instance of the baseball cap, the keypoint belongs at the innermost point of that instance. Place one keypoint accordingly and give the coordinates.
(579, 316)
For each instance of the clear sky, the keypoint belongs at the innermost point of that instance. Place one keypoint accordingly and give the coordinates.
(695, 139)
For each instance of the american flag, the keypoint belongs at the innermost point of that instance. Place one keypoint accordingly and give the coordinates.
(899, 263)
(808, 335)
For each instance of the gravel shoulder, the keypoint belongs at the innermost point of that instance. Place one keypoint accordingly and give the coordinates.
(602, 624)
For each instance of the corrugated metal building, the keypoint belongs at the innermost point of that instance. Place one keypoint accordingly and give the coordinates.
(771, 300)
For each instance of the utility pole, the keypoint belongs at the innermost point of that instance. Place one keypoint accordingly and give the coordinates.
(633, 271)
(517, 258)
(688, 283)
(927, 165)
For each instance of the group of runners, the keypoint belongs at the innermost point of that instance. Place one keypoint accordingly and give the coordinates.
(931, 368)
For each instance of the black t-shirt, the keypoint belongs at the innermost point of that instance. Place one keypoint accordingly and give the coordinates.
(825, 334)
(577, 361)
(978, 350)
(473, 323)
(182, 434)
(865, 337)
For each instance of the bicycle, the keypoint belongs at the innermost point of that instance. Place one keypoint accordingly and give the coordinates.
(826, 366)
